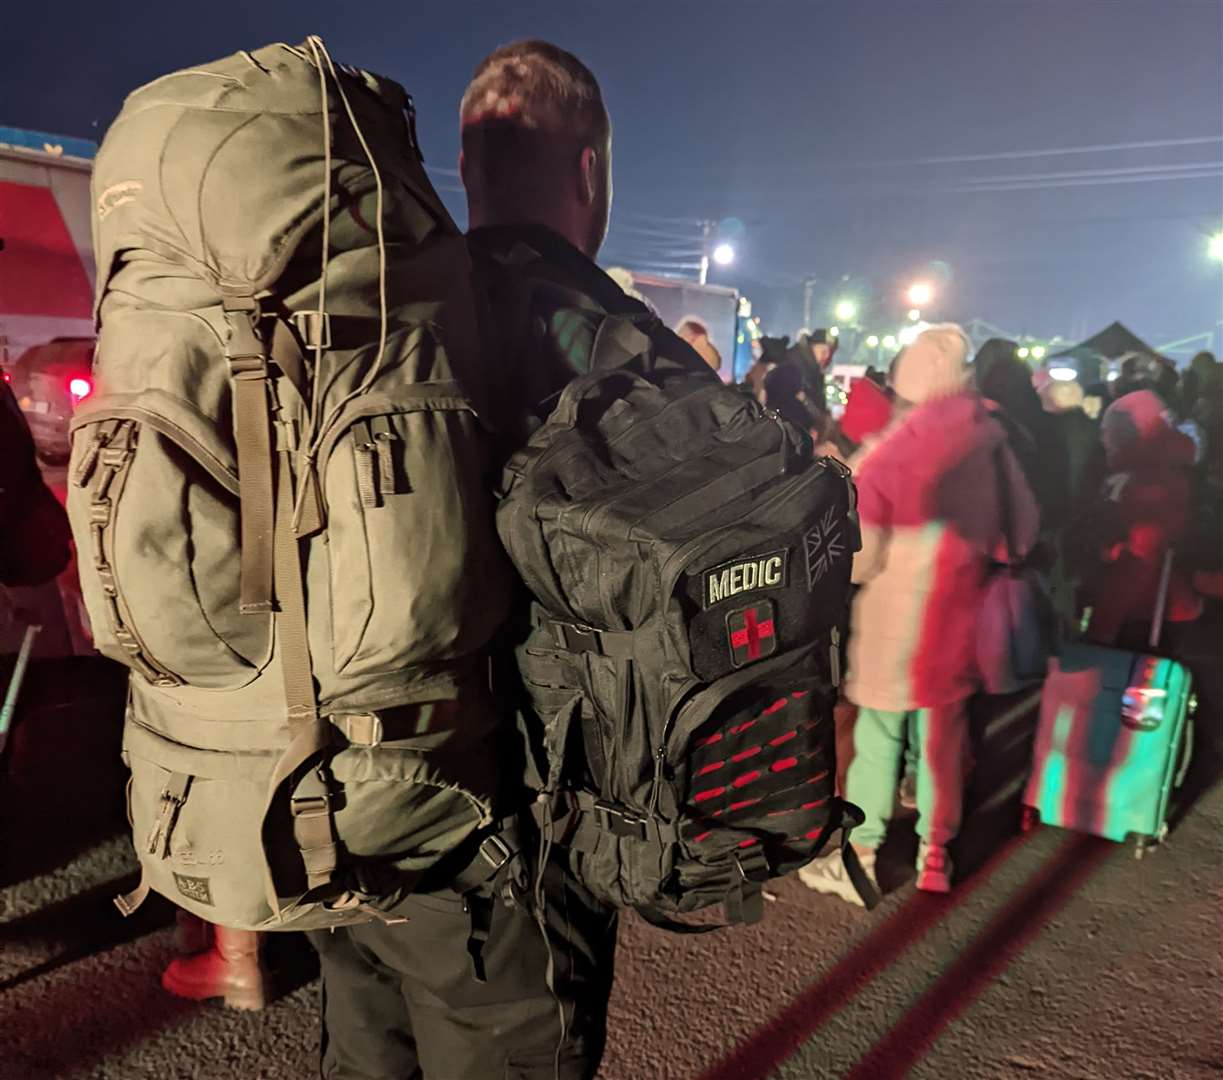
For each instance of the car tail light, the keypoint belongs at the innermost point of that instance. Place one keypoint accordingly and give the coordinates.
(8, 377)
(80, 389)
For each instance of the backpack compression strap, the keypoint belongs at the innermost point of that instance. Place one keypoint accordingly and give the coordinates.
(247, 357)
(310, 800)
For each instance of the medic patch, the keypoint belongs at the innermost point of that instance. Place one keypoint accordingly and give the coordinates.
(752, 633)
(824, 546)
(742, 575)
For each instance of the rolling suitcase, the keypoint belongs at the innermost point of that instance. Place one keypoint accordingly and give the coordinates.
(1114, 739)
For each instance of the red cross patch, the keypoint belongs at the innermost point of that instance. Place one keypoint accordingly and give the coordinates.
(752, 632)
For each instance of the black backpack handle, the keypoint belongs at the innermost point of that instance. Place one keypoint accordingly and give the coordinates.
(617, 342)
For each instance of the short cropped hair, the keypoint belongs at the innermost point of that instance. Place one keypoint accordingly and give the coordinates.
(540, 86)
(529, 106)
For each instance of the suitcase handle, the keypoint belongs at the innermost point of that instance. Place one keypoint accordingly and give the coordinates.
(1161, 600)
(1186, 744)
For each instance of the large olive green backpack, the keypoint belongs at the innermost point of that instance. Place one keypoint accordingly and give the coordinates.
(281, 495)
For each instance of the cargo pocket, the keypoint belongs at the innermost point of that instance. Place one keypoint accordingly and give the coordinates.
(416, 571)
(159, 534)
(196, 820)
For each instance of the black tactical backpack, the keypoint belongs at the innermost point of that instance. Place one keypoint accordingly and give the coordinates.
(690, 563)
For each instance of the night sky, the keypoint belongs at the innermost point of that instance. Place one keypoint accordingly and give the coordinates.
(867, 139)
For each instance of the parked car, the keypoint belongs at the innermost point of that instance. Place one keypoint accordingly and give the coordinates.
(49, 381)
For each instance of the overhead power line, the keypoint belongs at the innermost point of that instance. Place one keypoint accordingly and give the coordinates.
(1126, 170)
(1096, 148)
(1043, 185)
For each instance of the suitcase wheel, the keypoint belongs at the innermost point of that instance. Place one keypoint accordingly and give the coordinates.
(1029, 818)
(1149, 843)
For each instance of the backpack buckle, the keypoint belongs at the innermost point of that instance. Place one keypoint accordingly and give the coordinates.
(313, 327)
(621, 822)
(575, 638)
(361, 729)
(312, 796)
(496, 852)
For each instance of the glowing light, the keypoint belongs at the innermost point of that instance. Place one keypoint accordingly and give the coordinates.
(872, 342)
(724, 254)
(1063, 374)
(914, 314)
(1039, 352)
(80, 389)
(889, 342)
(1113, 376)
(1215, 247)
(909, 334)
(834, 331)
(846, 310)
(1023, 352)
(920, 294)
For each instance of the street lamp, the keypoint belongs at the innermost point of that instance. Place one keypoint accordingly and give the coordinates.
(914, 314)
(1215, 247)
(724, 254)
(1039, 352)
(872, 342)
(920, 294)
(845, 311)
(889, 342)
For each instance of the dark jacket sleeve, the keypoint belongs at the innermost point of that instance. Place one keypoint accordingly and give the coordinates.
(34, 536)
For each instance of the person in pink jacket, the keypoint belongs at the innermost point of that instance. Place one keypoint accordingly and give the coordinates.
(1142, 514)
(929, 502)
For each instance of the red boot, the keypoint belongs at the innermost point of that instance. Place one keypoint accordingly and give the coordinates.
(230, 970)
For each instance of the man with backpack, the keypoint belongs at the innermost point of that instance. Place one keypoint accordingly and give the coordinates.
(613, 407)
(537, 167)
(286, 487)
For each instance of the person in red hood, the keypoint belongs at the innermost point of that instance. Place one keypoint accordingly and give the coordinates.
(1143, 514)
(868, 409)
(930, 507)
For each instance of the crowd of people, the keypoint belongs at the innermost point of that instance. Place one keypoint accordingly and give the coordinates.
(968, 464)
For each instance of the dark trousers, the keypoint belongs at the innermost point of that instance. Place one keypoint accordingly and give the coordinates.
(400, 1002)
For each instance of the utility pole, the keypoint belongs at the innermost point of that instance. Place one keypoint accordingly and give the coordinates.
(809, 284)
(707, 228)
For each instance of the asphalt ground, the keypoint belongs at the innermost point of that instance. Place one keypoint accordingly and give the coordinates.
(1056, 955)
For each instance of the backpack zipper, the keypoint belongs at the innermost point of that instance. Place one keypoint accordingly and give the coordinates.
(173, 795)
(383, 437)
(834, 655)
(363, 455)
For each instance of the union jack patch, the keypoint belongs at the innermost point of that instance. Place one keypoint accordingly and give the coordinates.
(825, 546)
(752, 632)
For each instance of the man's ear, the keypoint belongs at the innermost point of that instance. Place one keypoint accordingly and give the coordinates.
(588, 184)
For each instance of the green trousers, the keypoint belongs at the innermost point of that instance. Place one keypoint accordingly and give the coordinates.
(942, 758)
